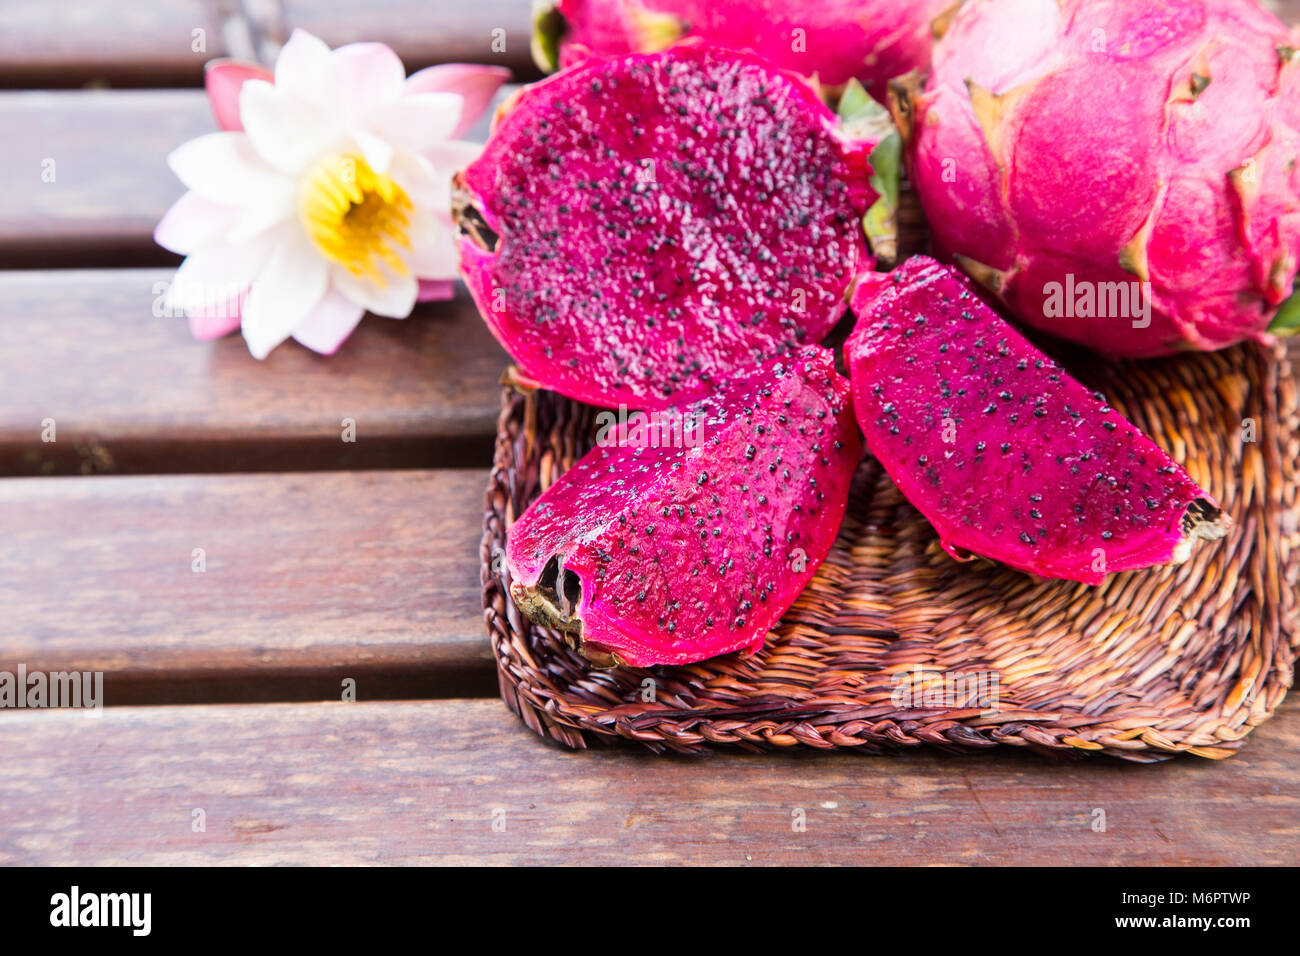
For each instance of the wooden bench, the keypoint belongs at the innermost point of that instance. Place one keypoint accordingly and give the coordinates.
(325, 561)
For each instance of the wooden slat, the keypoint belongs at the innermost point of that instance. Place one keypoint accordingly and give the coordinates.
(151, 42)
(316, 576)
(137, 42)
(426, 31)
(409, 783)
(110, 183)
(130, 392)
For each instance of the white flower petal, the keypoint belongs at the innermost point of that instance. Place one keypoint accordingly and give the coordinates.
(194, 221)
(420, 180)
(453, 155)
(433, 246)
(416, 122)
(294, 281)
(329, 324)
(224, 168)
(255, 220)
(306, 69)
(396, 299)
(215, 274)
(376, 152)
(370, 74)
(445, 160)
(287, 131)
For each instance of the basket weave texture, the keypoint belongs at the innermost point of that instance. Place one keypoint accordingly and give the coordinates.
(894, 644)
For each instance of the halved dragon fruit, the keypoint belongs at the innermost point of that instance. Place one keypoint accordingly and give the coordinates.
(834, 40)
(660, 552)
(638, 229)
(1005, 454)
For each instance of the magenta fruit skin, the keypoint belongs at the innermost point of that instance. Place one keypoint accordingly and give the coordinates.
(1004, 453)
(835, 40)
(1114, 141)
(672, 554)
(639, 229)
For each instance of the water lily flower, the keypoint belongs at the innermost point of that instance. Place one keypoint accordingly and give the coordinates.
(326, 195)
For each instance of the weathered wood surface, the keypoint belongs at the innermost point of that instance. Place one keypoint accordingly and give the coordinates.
(140, 42)
(423, 782)
(426, 31)
(129, 391)
(307, 578)
(87, 173)
(154, 42)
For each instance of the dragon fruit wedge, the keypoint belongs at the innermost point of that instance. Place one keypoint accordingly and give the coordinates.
(1005, 454)
(673, 552)
(1119, 173)
(638, 229)
(835, 40)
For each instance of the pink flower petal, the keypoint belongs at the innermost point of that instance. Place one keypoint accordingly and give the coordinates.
(370, 75)
(223, 80)
(477, 84)
(213, 323)
(436, 290)
(194, 221)
(306, 69)
(329, 324)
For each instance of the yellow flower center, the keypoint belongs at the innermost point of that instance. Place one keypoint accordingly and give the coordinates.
(355, 216)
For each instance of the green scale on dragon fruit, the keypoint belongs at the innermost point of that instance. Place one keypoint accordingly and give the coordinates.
(639, 229)
(668, 553)
(1005, 454)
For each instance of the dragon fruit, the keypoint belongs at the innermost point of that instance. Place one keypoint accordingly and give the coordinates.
(653, 552)
(1005, 454)
(1120, 174)
(638, 229)
(834, 40)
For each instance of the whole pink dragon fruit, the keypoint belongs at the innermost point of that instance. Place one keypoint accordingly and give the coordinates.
(1122, 174)
(667, 552)
(834, 40)
(1005, 454)
(637, 229)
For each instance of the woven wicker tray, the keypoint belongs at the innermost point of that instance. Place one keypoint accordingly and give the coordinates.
(1150, 664)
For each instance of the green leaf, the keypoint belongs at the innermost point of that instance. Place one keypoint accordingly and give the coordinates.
(855, 102)
(885, 161)
(548, 28)
(881, 230)
(861, 117)
(1287, 320)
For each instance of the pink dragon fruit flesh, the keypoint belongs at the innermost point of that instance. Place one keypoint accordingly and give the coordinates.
(638, 229)
(1123, 174)
(673, 552)
(834, 40)
(1005, 454)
